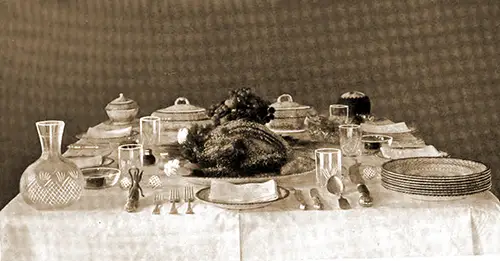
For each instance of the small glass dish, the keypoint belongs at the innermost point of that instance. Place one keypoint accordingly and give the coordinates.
(100, 177)
(373, 142)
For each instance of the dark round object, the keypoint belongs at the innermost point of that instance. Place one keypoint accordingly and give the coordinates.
(148, 158)
(372, 146)
(95, 182)
(358, 102)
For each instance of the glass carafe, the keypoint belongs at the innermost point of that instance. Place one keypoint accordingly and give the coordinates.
(51, 182)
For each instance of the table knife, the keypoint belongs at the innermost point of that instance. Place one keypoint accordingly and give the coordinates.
(365, 200)
(316, 199)
(300, 198)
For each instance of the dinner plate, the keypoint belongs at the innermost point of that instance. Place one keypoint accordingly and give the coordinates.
(428, 187)
(434, 196)
(132, 137)
(204, 193)
(437, 198)
(410, 129)
(426, 190)
(135, 122)
(106, 161)
(206, 181)
(442, 154)
(423, 179)
(437, 188)
(464, 183)
(287, 131)
(438, 180)
(434, 168)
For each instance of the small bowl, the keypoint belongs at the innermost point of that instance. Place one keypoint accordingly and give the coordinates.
(372, 143)
(100, 177)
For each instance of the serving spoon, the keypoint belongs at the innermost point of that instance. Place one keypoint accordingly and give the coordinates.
(335, 186)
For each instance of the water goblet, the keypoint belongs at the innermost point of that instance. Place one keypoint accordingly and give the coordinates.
(350, 140)
(339, 114)
(130, 156)
(150, 131)
(328, 164)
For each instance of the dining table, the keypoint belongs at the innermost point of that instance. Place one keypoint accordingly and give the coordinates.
(397, 225)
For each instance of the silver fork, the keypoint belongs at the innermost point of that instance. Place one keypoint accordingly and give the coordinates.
(158, 201)
(189, 197)
(174, 197)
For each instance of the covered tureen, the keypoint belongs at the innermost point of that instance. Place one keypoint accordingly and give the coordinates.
(288, 115)
(180, 115)
(122, 110)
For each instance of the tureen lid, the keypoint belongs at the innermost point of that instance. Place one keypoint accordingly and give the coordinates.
(285, 102)
(182, 110)
(121, 103)
(182, 105)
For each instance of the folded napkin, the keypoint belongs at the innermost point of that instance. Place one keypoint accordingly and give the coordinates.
(87, 162)
(102, 133)
(225, 192)
(399, 127)
(395, 153)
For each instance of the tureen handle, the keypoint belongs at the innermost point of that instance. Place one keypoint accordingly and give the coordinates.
(186, 101)
(288, 96)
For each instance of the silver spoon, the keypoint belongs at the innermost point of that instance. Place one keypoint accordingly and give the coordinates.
(336, 186)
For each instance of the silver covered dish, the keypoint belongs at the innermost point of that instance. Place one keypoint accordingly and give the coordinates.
(288, 115)
(180, 115)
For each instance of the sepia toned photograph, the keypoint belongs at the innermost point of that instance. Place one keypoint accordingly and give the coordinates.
(249, 130)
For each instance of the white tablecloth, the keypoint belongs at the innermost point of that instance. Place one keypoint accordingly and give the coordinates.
(97, 228)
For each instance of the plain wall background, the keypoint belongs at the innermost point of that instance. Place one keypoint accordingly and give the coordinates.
(433, 63)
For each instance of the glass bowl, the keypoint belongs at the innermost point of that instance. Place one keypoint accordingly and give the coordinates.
(100, 177)
(373, 142)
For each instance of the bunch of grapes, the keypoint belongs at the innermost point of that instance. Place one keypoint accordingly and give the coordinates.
(241, 104)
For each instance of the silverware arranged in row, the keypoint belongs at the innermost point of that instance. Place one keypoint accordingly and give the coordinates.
(335, 186)
(173, 198)
(314, 193)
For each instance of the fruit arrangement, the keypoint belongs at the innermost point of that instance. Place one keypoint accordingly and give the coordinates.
(241, 104)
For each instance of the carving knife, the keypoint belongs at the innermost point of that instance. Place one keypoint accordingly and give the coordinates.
(300, 198)
(365, 200)
(316, 199)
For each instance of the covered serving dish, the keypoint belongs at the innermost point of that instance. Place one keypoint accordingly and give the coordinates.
(122, 110)
(288, 115)
(180, 115)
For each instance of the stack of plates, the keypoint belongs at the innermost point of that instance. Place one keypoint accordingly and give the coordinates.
(436, 178)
